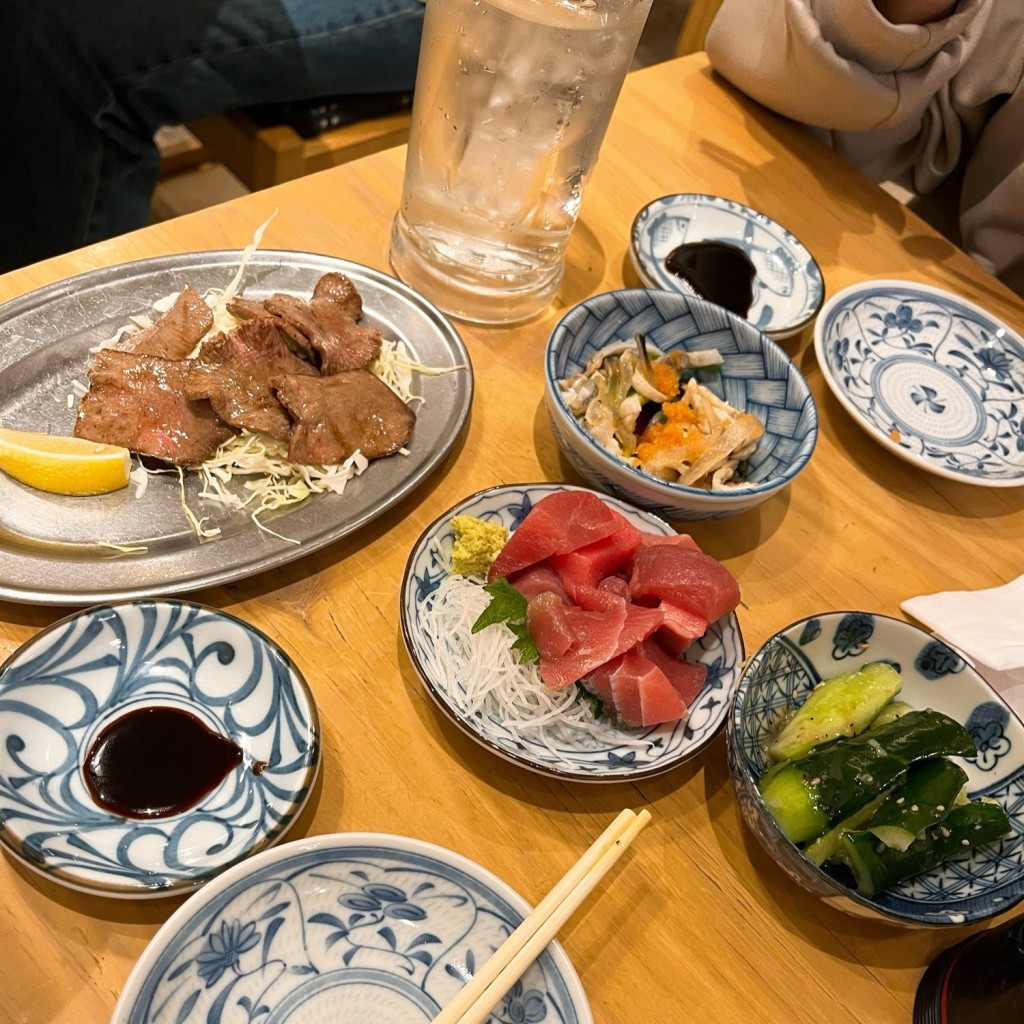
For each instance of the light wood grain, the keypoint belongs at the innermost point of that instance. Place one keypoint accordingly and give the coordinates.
(702, 925)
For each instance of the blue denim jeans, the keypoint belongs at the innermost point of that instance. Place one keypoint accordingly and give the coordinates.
(86, 83)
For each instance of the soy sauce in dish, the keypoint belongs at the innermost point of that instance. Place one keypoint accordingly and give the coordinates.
(155, 762)
(718, 271)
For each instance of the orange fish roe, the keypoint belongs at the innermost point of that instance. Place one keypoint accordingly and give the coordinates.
(679, 430)
(665, 378)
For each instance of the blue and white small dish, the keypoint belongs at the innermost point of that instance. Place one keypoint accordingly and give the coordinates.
(780, 675)
(72, 679)
(615, 753)
(788, 287)
(359, 927)
(756, 376)
(934, 378)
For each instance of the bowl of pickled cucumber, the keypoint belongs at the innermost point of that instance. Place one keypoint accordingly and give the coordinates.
(881, 771)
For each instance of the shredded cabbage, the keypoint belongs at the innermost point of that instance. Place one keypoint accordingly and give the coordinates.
(270, 479)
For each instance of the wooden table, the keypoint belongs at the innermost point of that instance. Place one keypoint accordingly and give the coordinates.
(697, 922)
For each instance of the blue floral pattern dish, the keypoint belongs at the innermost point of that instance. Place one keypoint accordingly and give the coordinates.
(783, 671)
(936, 379)
(788, 287)
(63, 686)
(620, 754)
(359, 927)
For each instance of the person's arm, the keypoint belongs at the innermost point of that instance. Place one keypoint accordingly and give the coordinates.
(842, 64)
(914, 12)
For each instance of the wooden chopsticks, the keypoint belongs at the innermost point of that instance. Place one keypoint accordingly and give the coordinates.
(508, 963)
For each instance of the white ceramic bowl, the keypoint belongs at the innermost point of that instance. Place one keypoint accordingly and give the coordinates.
(779, 676)
(756, 377)
(70, 681)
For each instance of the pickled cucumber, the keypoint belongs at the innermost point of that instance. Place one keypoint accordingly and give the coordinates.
(812, 793)
(841, 706)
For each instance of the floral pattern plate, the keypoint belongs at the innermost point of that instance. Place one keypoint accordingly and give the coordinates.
(792, 662)
(62, 687)
(932, 377)
(360, 928)
(788, 287)
(619, 753)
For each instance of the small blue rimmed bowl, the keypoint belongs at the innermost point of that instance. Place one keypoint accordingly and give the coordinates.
(788, 287)
(85, 673)
(756, 376)
(780, 675)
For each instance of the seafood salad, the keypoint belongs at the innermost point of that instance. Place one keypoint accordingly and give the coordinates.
(654, 414)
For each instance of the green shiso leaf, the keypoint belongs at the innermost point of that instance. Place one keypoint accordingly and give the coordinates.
(509, 606)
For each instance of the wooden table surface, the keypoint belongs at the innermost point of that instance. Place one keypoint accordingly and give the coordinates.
(696, 922)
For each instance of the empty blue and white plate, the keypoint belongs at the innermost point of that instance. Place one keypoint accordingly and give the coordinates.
(360, 928)
(934, 378)
(780, 675)
(788, 288)
(59, 690)
(610, 753)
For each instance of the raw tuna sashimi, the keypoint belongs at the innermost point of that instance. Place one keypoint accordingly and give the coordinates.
(598, 636)
(549, 626)
(614, 608)
(680, 628)
(676, 540)
(635, 691)
(587, 566)
(558, 523)
(686, 677)
(538, 579)
(691, 580)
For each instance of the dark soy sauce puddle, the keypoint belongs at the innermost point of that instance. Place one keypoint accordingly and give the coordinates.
(718, 271)
(155, 762)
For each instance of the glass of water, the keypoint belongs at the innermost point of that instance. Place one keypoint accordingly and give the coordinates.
(511, 103)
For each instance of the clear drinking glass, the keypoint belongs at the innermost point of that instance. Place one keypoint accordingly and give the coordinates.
(511, 103)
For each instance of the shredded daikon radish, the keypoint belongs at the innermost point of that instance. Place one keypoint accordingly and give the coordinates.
(482, 677)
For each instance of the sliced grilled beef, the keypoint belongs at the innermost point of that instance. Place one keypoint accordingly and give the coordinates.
(177, 332)
(337, 288)
(239, 397)
(139, 402)
(325, 326)
(340, 342)
(234, 371)
(345, 412)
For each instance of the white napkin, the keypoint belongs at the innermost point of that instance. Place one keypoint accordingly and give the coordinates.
(987, 627)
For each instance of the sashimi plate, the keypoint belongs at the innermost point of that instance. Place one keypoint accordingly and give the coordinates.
(62, 688)
(611, 753)
(934, 378)
(76, 551)
(361, 927)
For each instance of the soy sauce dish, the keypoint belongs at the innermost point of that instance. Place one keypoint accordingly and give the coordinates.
(731, 254)
(147, 746)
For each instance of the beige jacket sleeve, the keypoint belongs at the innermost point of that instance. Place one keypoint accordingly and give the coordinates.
(899, 100)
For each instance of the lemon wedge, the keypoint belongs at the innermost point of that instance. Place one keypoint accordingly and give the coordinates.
(63, 465)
